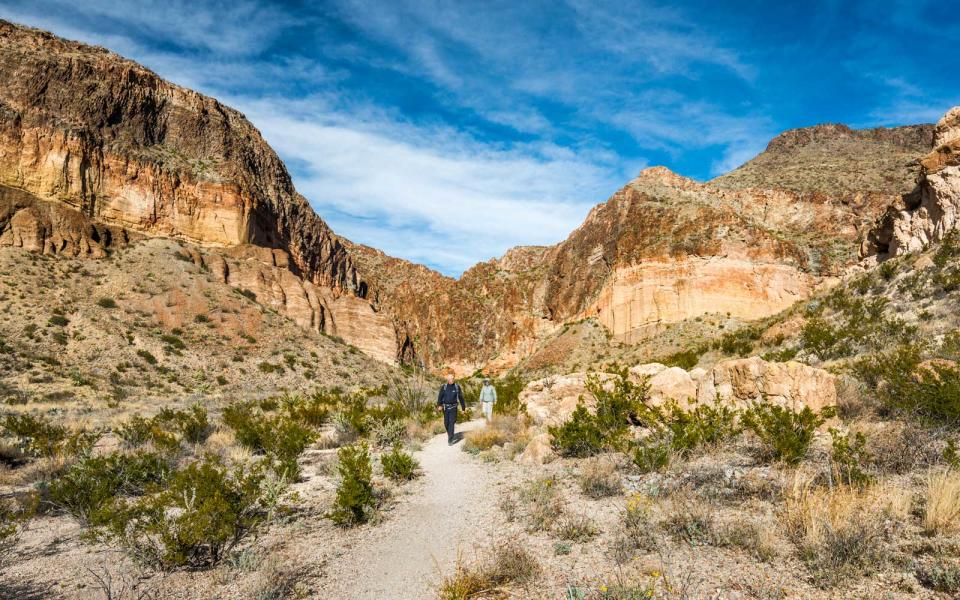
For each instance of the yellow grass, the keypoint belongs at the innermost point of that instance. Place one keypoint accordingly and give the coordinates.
(942, 506)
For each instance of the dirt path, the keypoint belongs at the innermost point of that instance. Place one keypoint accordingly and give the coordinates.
(453, 509)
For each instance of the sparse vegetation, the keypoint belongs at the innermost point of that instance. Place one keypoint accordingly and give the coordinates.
(399, 465)
(355, 501)
(785, 434)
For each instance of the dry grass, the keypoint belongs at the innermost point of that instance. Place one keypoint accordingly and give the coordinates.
(498, 569)
(758, 537)
(500, 431)
(542, 503)
(841, 531)
(599, 478)
(636, 531)
(942, 502)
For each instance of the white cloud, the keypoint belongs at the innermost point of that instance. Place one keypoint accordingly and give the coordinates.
(440, 196)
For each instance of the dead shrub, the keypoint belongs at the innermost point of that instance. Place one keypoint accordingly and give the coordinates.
(498, 569)
(599, 478)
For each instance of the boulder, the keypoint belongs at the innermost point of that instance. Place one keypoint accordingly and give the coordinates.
(737, 383)
(742, 381)
(537, 452)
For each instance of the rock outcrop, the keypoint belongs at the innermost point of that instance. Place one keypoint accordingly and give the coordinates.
(932, 209)
(736, 383)
(52, 228)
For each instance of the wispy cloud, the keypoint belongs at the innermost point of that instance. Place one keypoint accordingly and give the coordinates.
(445, 132)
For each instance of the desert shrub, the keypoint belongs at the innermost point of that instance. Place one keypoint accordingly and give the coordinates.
(599, 478)
(685, 359)
(705, 424)
(138, 431)
(508, 396)
(652, 454)
(147, 356)
(277, 436)
(37, 436)
(15, 512)
(905, 384)
(89, 487)
(941, 512)
(199, 516)
(940, 575)
(313, 411)
(167, 429)
(849, 458)
(785, 434)
(543, 504)
(107, 303)
(636, 531)
(578, 437)
(388, 432)
(740, 342)
(500, 566)
(576, 528)
(192, 424)
(173, 341)
(586, 434)
(59, 321)
(355, 501)
(399, 465)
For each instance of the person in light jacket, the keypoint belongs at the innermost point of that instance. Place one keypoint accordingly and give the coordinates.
(488, 397)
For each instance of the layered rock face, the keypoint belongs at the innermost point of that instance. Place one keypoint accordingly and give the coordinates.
(736, 383)
(661, 250)
(931, 210)
(95, 148)
(83, 126)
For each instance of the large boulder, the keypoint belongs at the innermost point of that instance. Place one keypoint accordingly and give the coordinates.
(537, 452)
(742, 381)
(737, 383)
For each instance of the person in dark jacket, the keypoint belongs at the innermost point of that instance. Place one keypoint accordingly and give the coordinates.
(447, 400)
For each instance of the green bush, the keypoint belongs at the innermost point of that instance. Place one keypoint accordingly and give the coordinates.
(586, 434)
(850, 458)
(580, 436)
(147, 356)
(906, 385)
(652, 454)
(107, 303)
(508, 396)
(59, 321)
(37, 436)
(786, 434)
(89, 487)
(203, 512)
(398, 465)
(277, 436)
(167, 428)
(355, 502)
(705, 424)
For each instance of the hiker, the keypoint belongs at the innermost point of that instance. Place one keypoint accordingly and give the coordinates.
(488, 397)
(450, 395)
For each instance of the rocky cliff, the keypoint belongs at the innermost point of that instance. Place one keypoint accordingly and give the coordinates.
(932, 208)
(95, 149)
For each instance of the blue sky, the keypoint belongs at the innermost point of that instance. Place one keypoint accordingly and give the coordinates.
(447, 132)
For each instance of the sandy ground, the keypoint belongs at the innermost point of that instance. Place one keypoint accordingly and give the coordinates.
(453, 512)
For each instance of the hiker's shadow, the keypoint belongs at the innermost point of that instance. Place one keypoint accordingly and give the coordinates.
(457, 438)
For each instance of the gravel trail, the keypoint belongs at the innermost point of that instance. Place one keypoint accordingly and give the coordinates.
(453, 511)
